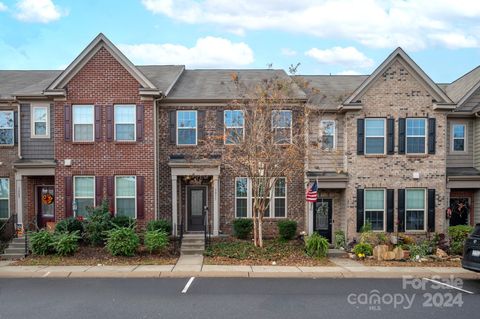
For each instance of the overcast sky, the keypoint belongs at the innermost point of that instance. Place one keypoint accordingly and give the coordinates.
(326, 37)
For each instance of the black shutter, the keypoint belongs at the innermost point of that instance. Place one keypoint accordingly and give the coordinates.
(110, 123)
(67, 123)
(431, 210)
(432, 128)
(98, 123)
(220, 127)
(140, 197)
(172, 127)
(140, 122)
(110, 194)
(390, 204)
(401, 136)
(360, 136)
(98, 190)
(16, 135)
(390, 136)
(401, 210)
(201, 124)
(68, 187)
(360, 213)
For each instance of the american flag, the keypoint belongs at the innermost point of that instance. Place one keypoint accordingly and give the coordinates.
(312, 192)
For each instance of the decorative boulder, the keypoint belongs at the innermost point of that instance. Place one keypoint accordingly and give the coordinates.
(388, 255)
(441, 253)
(399, 253)
(378, 252)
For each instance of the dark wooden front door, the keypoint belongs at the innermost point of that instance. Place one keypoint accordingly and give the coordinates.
(322, 218)
(45, 205)
(196, 201)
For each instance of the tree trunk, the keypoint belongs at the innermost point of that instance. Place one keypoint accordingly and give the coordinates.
(255, 233)
(260, 232)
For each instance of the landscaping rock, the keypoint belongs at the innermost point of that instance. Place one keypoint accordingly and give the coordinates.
(441, 253)
(378, 252)
(399, 253)
(388, 255)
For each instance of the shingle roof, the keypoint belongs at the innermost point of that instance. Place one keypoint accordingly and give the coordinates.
(327, 92)
(457, 89)
(25, 82)
(162, 76)
(214, 84)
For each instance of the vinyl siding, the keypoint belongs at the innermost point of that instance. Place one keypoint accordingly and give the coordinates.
(35, 148)
(476, 200)
(476, 143)
(460, 159)
(473, 101)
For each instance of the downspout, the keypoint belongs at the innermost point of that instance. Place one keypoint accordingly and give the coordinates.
(155, 148)
(19, 140)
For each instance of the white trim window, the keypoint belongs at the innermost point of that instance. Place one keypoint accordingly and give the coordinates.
(126, 196)
(125, 122)
(415, 212)
(186, 127)
(327, 134)
(244, 199)
(4, 198)
(282, 126)
(40, 115)
(83, 194)
(416, 133)
(459, 132)
(7, 128)
(234, 124)
(83, 123)
(375, 132)
(375, 208)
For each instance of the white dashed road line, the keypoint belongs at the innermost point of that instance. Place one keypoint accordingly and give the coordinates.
(447, 285)
(184, 291)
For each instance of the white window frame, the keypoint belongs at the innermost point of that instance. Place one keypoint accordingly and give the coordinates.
(453, 138)
(424, 136)
(196, 126)
(93, 122)
(322, 130)
(33, 107)
(120, 123)
(10, 128)
(384, 136)
(376, 210)
(249, 197)
(7, 198)
(424, 211)
(128, 197)
(226, 127)
(282, 127)
(75, 197)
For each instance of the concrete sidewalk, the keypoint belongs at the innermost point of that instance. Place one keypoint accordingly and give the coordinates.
(156, 271)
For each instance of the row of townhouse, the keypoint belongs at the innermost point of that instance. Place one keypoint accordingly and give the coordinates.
(392, 148)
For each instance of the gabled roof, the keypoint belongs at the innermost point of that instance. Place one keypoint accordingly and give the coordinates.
(100, 41)
(463, 88)
(400, 55)
(25, 83)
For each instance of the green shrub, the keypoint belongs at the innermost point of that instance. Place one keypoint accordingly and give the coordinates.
(340, 240)
(65, 243)
(458, 234)
(242, 228)
(41, 242)
(316, 246)
(123, 221)
(69, 225)
(122, 241)
(97, 224)
(287, 229)
(419, 250)
(155, 240)
(363, 249)
(162, 225)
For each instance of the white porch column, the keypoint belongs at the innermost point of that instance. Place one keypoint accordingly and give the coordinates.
(216, 204)
(19, 197)
(174, 205)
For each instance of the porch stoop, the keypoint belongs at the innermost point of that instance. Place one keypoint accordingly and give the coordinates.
(193, 244)
(15, 250)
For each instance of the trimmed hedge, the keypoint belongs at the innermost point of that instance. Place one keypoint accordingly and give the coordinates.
(242, 227)
(287, 229)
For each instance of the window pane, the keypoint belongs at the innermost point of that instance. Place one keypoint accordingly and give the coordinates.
(187, 136)
(327, 142)
(84, 187)
(241, 187)
(40, 128)
(4, 187)
(3, 208)
(375, 127)
(6, 136)
(416, 127)
(40, 114)
(125, 186)
(267, 208)
(241, 207)
(282, 136)
(459, 131)
(82, 206)
(374, 145)
(415, 220)
(415, 199)
(234, 135)
(280, 207)
(83, 132)
(234, 118)
(124, 113)
(280, 187)
(125, 132)
(187, 119)
(6, 119)
(458, 145)
(375, 218)
(83, 114)
(282, 118)
(374, 199)
(415, 144)
(126, 207)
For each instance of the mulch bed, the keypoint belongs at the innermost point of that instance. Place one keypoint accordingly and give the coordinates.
(93, 256)
(392, 263)
(241, 252)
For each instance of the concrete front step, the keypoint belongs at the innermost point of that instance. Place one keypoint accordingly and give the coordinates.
(337, 253)
(10, 256)
(16, 245)
(11, 250)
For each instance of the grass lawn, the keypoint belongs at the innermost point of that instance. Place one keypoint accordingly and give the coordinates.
(232, 251)
(93, 256)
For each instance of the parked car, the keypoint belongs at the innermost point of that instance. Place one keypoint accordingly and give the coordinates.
(471, 251)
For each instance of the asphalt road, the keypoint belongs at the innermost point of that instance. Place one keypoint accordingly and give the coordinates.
(245, 298)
